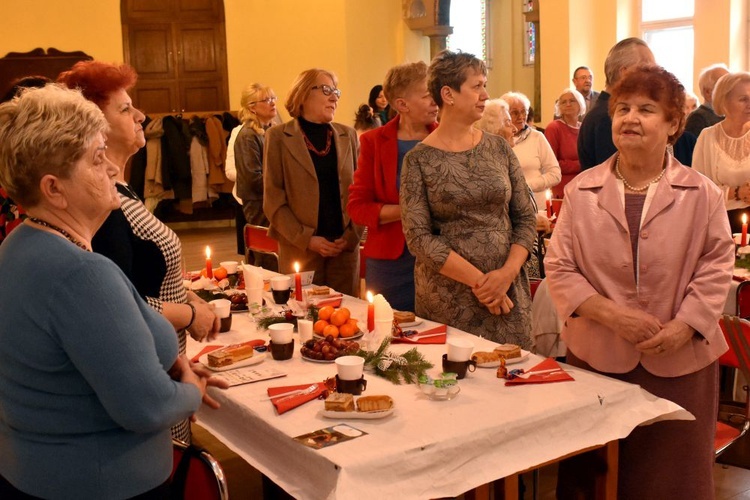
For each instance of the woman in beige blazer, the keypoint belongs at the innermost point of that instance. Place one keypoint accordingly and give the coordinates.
(308, 165)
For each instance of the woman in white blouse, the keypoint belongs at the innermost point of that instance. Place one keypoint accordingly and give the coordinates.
(722, 152)
(538, 162)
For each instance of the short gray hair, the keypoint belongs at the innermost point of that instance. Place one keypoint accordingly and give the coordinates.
(622, 55)
(492, 116)
(708, 78)
(517, 96)
(578, 97)
(44, 131)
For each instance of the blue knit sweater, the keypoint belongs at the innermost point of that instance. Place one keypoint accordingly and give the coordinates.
(85, 399)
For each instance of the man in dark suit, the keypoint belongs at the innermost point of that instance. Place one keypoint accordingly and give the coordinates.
(583, 79)
(705, 116)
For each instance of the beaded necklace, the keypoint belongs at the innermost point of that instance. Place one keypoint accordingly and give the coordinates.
(311, 147)
(629, 186)
(60, 230)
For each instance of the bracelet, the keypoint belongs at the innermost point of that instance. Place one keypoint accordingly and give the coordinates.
(192, 317)
(737, 194)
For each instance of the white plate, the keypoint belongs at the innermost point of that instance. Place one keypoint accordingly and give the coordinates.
(511, 361)
(362, 415)
(317, 360)
(436, 394)
(417, 321)
(257, 357)
(356, 336)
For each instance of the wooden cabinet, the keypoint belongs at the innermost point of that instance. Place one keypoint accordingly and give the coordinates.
(178, 48)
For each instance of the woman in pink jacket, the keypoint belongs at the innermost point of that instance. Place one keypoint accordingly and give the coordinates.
(373, 196)
(639, 268)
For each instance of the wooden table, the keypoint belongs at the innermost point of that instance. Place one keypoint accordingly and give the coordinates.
(428, 449)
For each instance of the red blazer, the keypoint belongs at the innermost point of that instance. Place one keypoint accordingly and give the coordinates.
(374, 186)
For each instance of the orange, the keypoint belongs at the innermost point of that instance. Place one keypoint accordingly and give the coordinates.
(319, 326)
(325, 312)
(353, 322)
(348, 330)
(331, 330)
(340, 316)
(220, 273)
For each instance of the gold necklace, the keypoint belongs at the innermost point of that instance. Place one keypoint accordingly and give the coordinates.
(473, 148)
(629, 186)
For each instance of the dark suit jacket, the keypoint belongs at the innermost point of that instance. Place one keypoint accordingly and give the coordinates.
(701, 118)
(374, 186)
(290, 185)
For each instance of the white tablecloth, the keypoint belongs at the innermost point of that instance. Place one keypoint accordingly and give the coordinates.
(426, 449)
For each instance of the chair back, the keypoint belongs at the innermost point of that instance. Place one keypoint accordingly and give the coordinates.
(196, 475)
(737, 334)
(257, 240)
(734, 417)
(743, 299)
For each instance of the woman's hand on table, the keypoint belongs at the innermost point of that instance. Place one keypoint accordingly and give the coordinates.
(206, 324)
(671, 337)
(326, 248)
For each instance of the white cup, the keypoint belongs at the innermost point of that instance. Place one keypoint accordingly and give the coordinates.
(281, 333)
(222, 307)
(230, 266)
(350, 367)
(281, 283)
(254, 296)
(459, 349)
(305, 327)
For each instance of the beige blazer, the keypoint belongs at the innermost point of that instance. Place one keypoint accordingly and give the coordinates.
(290, 185)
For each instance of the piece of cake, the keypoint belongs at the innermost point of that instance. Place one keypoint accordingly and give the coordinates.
(338, 401)
(508, 351)
(230, 354)
(374, 403)
(404, 317)
(319, 291)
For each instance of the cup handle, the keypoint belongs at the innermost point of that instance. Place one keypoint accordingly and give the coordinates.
(363, 385)
(471, 365)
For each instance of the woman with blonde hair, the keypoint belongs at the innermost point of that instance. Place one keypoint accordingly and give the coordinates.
(562, 135)
(257, 113)
(308, 166)
(722, 152)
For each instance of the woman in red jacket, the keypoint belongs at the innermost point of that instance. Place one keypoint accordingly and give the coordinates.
(373, 196)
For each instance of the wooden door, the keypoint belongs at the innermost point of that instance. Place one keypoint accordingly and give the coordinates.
(178, 48)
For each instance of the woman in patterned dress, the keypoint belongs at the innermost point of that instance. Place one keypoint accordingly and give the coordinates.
(148, 252)
(467, 214)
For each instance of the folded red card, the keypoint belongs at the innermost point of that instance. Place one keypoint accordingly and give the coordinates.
(285, 403)
(211, 348)
(333, 301)
(547, 371)
(435, 335)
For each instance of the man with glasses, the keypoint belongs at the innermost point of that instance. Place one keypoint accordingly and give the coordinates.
(583, 79)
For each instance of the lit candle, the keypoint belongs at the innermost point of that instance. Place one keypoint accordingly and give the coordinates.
(209, 269)
(548, 194)
(743, 239)
(370, 312)
(297, 282)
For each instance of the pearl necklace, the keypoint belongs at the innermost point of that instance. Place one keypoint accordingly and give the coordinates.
(60, 230)
(629, 186)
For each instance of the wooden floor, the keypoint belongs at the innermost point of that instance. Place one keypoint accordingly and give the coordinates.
(732, 483)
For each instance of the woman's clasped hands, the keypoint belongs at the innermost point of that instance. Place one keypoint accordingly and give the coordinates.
(188, 372)
(327, 248)
(492, 289)
(648, 333)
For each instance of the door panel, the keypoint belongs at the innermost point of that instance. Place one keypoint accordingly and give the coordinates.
(203, 10)
(197, 53)
(156, 97)
(152, 50)
(205, 96)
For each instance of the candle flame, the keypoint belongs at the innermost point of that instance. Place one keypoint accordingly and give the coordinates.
(744, 218)
(370, 298)
(208, 252)
(548, 194)
(296, 267)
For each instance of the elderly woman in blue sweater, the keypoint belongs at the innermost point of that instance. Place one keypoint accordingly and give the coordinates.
(90, 378)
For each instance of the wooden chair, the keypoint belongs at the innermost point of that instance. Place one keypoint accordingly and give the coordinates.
(734, 417)
(197, 473)
(743, 299)
(257, 240)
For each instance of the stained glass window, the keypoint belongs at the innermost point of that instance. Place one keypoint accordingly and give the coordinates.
(529, 36)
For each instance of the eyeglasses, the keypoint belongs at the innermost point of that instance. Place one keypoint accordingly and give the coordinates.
(328, 90)
(517, 112)
(267, 100)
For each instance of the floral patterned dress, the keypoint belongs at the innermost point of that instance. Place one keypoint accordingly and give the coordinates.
(477, 204)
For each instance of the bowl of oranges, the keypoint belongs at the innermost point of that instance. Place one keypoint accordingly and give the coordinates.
(338, 323)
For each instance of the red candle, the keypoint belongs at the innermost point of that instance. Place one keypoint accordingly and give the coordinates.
(297, 283)
(548, 194)
(209, 269)
(743, 239)
(370, 312)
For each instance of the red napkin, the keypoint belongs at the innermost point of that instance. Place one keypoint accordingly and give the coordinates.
(211, 348)
(284, 403)
(438, 339)
(542, 378)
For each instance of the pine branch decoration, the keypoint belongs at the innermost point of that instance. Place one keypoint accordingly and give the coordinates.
(393, 367)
